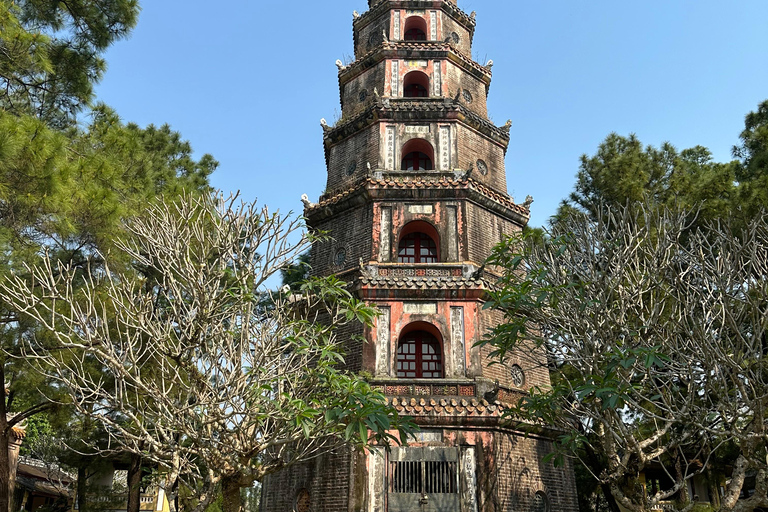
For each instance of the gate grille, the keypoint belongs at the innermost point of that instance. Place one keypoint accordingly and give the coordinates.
(419, 477)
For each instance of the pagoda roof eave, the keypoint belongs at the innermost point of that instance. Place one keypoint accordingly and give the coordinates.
(421, 49)
(372, 188)
(446, 6)
(409, 110)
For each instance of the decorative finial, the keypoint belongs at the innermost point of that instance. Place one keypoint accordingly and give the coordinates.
(384, 33)
(473, 14)
(489, 64)
(355, 14)
(468, 174)
(528, 202)
(306, 201)
(376, 92)
(363, 268)
(325, 126)
(368, 165)
(458, 96)
(339, 64)
(507, 126)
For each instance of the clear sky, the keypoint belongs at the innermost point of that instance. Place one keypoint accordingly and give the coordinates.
(249, 80)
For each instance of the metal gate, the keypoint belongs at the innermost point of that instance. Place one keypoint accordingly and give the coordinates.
(423, 480)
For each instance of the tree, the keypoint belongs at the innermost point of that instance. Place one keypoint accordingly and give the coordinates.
(52, 54)
(752, 172)
(210, 383)
(623, 171)
(65, 188)
(657, 332)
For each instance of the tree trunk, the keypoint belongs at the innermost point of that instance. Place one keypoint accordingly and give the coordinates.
(82, 485)
(230, 489)
(134, 484)
(596, 467)
(733, 489)
(5, 460)
(685, 497)
(613, 505)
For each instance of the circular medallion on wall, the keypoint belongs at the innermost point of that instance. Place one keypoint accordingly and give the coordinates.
(363, 95)
(373, 40)
(340, 258)
(351, 168)
(455, 38)
(302, 501)
(482, 167)
(540, 502)
(467, 96)
(518, 376)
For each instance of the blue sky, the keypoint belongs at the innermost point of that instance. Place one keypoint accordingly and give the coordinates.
(248, 81)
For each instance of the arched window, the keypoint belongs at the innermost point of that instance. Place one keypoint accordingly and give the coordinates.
(418, 243)
(415, 29)
(415, 34)
(419, 356)
(416, 85)
(417, 161)
(417, 248)
(417, 155)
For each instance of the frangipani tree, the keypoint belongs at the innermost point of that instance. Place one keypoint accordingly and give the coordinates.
(215, 379)
(657, 333)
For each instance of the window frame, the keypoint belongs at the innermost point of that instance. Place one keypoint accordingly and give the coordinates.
(419, 339)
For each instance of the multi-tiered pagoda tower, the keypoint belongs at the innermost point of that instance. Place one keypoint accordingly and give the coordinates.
(416, 198)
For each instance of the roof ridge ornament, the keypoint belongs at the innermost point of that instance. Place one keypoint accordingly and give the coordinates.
(528, 202)
(306, 201)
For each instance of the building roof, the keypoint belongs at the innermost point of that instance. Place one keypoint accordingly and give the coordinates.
(412, 282)
(434, 407)
(378, 7)
(40, 478)
(420, 182)
(405, 49)
(404, 109)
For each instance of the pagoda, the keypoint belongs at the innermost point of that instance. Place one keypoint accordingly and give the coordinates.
(416, 198)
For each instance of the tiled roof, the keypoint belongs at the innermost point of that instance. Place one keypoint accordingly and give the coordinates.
(387, 107)
(422, 183)
(448, 5)
(465, 407)
(423, 282)
(408, 105)
(411, 46)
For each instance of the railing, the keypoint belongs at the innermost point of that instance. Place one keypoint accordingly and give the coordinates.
(421, 269)
(107, 501)
(423, 387)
